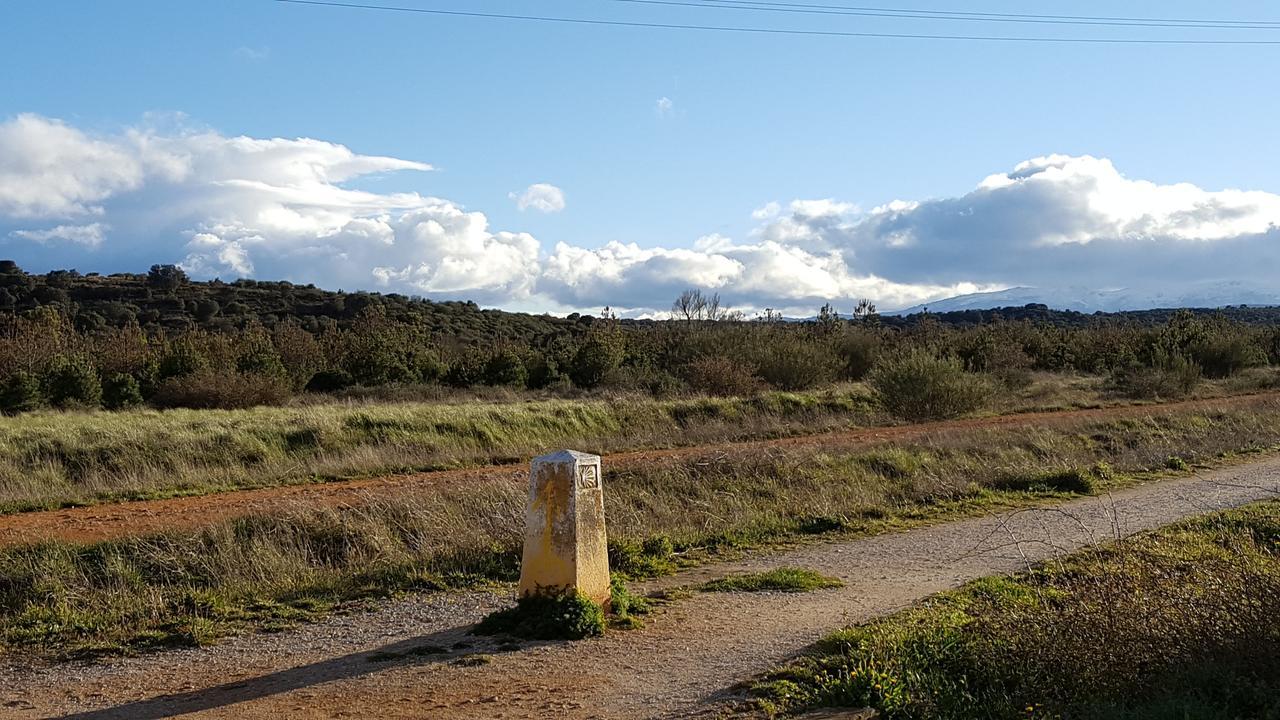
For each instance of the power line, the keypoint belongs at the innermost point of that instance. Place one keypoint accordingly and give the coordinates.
(778, 7)
(774, 31)
(929, 13)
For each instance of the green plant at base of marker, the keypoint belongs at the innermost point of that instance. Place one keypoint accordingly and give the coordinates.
(546, 617)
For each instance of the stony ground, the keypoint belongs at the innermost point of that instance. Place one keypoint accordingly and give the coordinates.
(683, 663)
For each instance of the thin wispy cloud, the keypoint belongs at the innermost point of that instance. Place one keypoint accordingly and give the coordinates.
(251, 54)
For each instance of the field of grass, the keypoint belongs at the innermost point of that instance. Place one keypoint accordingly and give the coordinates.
(1174, 624)
(51, 459)
(264, 572)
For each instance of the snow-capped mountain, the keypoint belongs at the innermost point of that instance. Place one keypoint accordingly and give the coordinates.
(1209, 294)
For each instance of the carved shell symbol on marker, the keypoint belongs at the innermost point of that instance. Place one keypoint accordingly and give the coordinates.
(588, 477)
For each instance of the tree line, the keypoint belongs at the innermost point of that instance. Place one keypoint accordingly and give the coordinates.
(173, 348)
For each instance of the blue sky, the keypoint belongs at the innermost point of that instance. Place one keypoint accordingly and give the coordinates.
(496, 106)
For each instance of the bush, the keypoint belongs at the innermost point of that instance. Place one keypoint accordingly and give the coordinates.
(544, 371)
(506, 368)
(427, 366)
(721, 376)
(121, 391)
(918, 385)
(596, 359)
(796, 365)
(1171, 377)
(20, 393)
(327, 381)
(1223, 355)
(857, 350)
(72, 382)
(258, 356)
(184, 358)
(376, 364)
(645, 378)
(538, 617)
(221, 391)
(467, 369)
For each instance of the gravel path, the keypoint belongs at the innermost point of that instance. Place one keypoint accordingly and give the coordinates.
(679, 665)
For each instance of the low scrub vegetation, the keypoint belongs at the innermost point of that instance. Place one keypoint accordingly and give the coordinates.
(69, 341)
(1178, 623)
(268, 571)
(921, 386)
(539, 617)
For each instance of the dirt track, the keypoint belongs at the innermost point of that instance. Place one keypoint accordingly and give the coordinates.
(679, 665)
(103, 522)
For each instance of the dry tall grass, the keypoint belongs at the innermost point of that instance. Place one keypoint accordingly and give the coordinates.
(261, 571)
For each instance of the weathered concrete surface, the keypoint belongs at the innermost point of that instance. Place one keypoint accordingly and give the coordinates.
(565, 546)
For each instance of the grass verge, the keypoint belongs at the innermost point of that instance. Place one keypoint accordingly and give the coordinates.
(776, 580)
(54, 459)
(266, 572)
(1172, 624)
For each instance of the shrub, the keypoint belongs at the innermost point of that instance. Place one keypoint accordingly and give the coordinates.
(258, 355)
(645, 378)
(625, 605)
(121, 391)
(184, 358)
(1170, 377)
(506, 368)
(71, 382)
(20, 393)
(544, 371)
(376, 364)
(327, 381)
(539, 617)
(467, 369)
(918, 385)
(221, 390)
(716, 375)
(1224, 354)
(857, 350)
(796, 365)
(427, 366)
(596, 359)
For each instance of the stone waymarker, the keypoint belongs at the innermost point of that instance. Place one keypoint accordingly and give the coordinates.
(565, 546)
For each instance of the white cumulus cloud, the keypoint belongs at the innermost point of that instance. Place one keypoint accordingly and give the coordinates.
(294, 209)
(543, 197)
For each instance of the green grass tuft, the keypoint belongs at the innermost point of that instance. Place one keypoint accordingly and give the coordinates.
(778, 580)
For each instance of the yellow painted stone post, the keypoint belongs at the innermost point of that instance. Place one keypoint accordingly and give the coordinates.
(565, 546)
